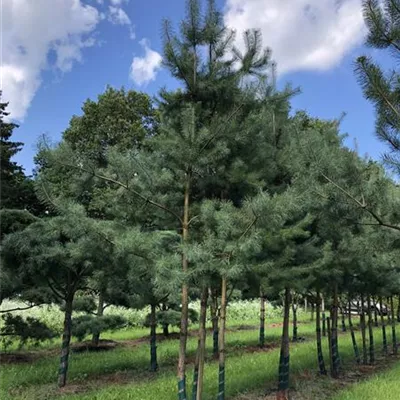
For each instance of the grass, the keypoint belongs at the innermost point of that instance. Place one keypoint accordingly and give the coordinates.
(246, 370)
(384, 385)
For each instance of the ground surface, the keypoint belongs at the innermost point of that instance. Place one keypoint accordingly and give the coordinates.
(120, 369)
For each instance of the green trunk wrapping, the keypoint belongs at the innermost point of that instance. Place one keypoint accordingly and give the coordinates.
(371, 333)
(215, 341)
(221, 383)
(153, 354)
(321, 362)
(394, 338)
(153, 340)
(393, 320)
(343, 323)
(384, 339)
(323, 324)
(262, 336)
(335, 355)
(295, 334)
(195, 382)
(283, 373)
(182, 389)
(353, 340)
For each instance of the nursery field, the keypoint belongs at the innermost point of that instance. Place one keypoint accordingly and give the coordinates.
(121, 371)
(206, 237)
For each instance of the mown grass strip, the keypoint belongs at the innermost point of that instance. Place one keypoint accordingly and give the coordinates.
(245, 372)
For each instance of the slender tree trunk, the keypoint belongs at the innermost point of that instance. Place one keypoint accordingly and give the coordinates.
(321, 363)
(284, 360)
(353, 337)
(222, 316)
(334, 334)
(214, 320)
(165, 330)
(393, 319)
(202, 344)
(370, 332)
(387, 310)
(153, 339)
(384, 339)
(323, 317)
(262, 319)
(196, 370)
(312, 310)
(398, 308)
(363, 332)
(165, 327)
(185, 300)
(294, 321)
(375, 312)
(305, 306)
(328, 325)
(343, 315)
(66, 339)
(100, 310)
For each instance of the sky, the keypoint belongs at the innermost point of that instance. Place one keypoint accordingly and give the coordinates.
(55, 54)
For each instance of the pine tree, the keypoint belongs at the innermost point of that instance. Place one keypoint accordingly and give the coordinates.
(60, 253)
(383, 23)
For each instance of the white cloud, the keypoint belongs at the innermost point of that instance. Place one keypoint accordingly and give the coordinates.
(144, 69)
(30, 31)
(303, 34)
(118, 16)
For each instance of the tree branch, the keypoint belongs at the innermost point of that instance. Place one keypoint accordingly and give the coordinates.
(20, 308)
(362, 205)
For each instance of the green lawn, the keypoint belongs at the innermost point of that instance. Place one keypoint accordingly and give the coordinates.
(247, 369)
(385, 386)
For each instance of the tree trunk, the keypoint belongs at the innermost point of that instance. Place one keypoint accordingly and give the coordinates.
(222, 316)
(375, 312)
(312, 311)
(363, 333)
(165, 330)
(343, 314)
(66, 339)
(165, 327)
(321, 363)
(153, 339)
(384, 339)
(100, 310)
(294, 322)
(353, 337)
(334, 334)
(284, 365)
(185, 300)
(214, 320)
(398, 308)
(393, 319)
(387, 310)
(305, 306)
(323, 317)
(198, 393)
(262, 320)
(328, 325)
(371, 332)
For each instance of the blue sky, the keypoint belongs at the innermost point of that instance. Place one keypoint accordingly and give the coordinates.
(84, 45)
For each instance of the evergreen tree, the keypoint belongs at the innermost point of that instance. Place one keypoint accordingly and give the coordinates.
(60, 253)
(383, 22)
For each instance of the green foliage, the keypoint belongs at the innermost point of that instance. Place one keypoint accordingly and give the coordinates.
(15, 328)
(89, 325)
(383, 23)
